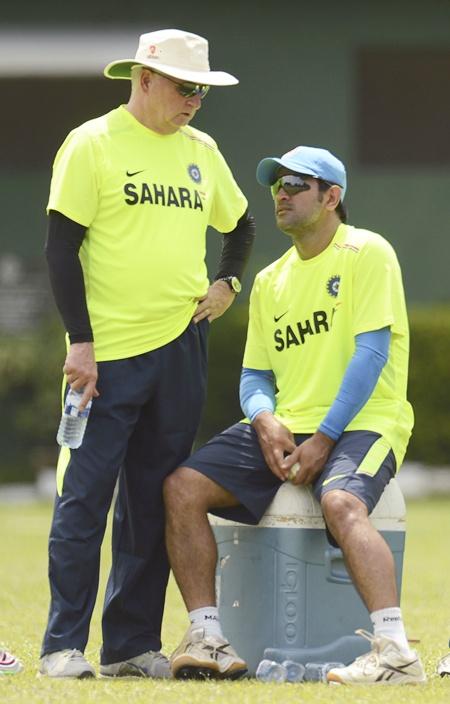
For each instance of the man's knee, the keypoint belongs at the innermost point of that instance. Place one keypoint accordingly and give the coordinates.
(183, 488)
(186, 490)
(342, 509)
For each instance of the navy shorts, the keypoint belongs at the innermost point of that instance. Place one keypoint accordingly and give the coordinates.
(361, 463)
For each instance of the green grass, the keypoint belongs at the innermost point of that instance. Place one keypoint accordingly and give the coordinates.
(24, 604)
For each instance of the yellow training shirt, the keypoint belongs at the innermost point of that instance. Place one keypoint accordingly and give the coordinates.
(146, 200)
(304, 315)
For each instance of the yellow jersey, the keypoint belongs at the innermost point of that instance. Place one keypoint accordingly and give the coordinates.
(146, 200)
(304, 315)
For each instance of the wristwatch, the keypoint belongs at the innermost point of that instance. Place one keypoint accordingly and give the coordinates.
(233, 282)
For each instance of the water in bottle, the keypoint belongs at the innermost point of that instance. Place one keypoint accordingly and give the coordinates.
(295, 671)
(313, 671)
(73, 421)
(327, 666)
(271, 671)
(317, 671)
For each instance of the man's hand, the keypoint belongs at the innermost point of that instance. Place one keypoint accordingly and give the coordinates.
(308, 459)
(218, 298)
(80, 369)
(275, 441)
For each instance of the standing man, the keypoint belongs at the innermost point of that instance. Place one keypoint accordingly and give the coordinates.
(323, 387)
(131, 197)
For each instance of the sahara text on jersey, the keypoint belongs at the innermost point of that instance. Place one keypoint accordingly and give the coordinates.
(290, 336)
(158, 194)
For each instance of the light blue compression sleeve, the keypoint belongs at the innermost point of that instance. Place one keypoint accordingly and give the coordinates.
(361, 376)
(256, 391)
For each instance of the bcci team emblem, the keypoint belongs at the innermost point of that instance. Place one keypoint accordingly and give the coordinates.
(194, 173)
(333, 285)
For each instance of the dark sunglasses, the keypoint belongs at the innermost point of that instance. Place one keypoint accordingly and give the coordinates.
(188, 90)
(293, 184)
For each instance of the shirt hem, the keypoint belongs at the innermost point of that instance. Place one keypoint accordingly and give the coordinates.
(103, 356)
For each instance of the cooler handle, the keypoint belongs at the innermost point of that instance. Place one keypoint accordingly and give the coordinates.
(333, 567)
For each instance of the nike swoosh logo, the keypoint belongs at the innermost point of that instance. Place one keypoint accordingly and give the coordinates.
(277, 318)
(133, 173)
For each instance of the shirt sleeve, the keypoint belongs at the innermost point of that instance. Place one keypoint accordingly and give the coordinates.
(236, 248)
(256, 392)
(74, 189)
(255, 354)
(64, 240)
(361, 377)
(229, 203)
(378, 289)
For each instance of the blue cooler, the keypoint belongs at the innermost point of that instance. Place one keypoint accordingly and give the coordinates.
(283, 591)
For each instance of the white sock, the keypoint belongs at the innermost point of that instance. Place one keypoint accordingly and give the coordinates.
(389, 622)
(207, 618)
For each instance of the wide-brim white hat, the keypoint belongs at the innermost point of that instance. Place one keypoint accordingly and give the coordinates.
(174, 53)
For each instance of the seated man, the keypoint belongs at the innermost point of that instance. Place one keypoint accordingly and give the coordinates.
(323, 388)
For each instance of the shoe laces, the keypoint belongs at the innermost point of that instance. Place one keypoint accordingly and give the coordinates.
(373, 656)
(157, 655)
(72, 654)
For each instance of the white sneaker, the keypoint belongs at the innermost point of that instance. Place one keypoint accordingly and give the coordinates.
(443, 667)
(66, 663)
(384, 664)
(9, 664)
(149, 664)
(202, 657)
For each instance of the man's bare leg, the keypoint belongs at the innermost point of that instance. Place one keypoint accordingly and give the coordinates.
(191, 545)
(204, 652)
(371, 565)
(369, 561)
(367, 556)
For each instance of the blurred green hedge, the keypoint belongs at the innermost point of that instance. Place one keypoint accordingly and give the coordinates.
(30, 400)
(30, 375)
(429, 385)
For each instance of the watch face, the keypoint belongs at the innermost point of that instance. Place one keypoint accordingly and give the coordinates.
(235, 284)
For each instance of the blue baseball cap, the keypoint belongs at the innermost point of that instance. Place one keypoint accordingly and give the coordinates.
(312, 161)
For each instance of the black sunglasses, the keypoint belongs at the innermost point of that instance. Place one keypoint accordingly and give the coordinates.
(293, 184)
(188, 90)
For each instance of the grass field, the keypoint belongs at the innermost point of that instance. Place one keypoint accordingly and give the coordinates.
(24, 604)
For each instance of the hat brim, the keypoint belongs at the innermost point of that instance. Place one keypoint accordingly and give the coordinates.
(266, 171)
(122, 69)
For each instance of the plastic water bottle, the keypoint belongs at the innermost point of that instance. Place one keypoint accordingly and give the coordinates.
(73, 422)
(271, 671)
(327, 666)
(317, 671)
(295, 671)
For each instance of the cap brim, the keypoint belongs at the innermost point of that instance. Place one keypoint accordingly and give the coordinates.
(266, 171)
(122, 69)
